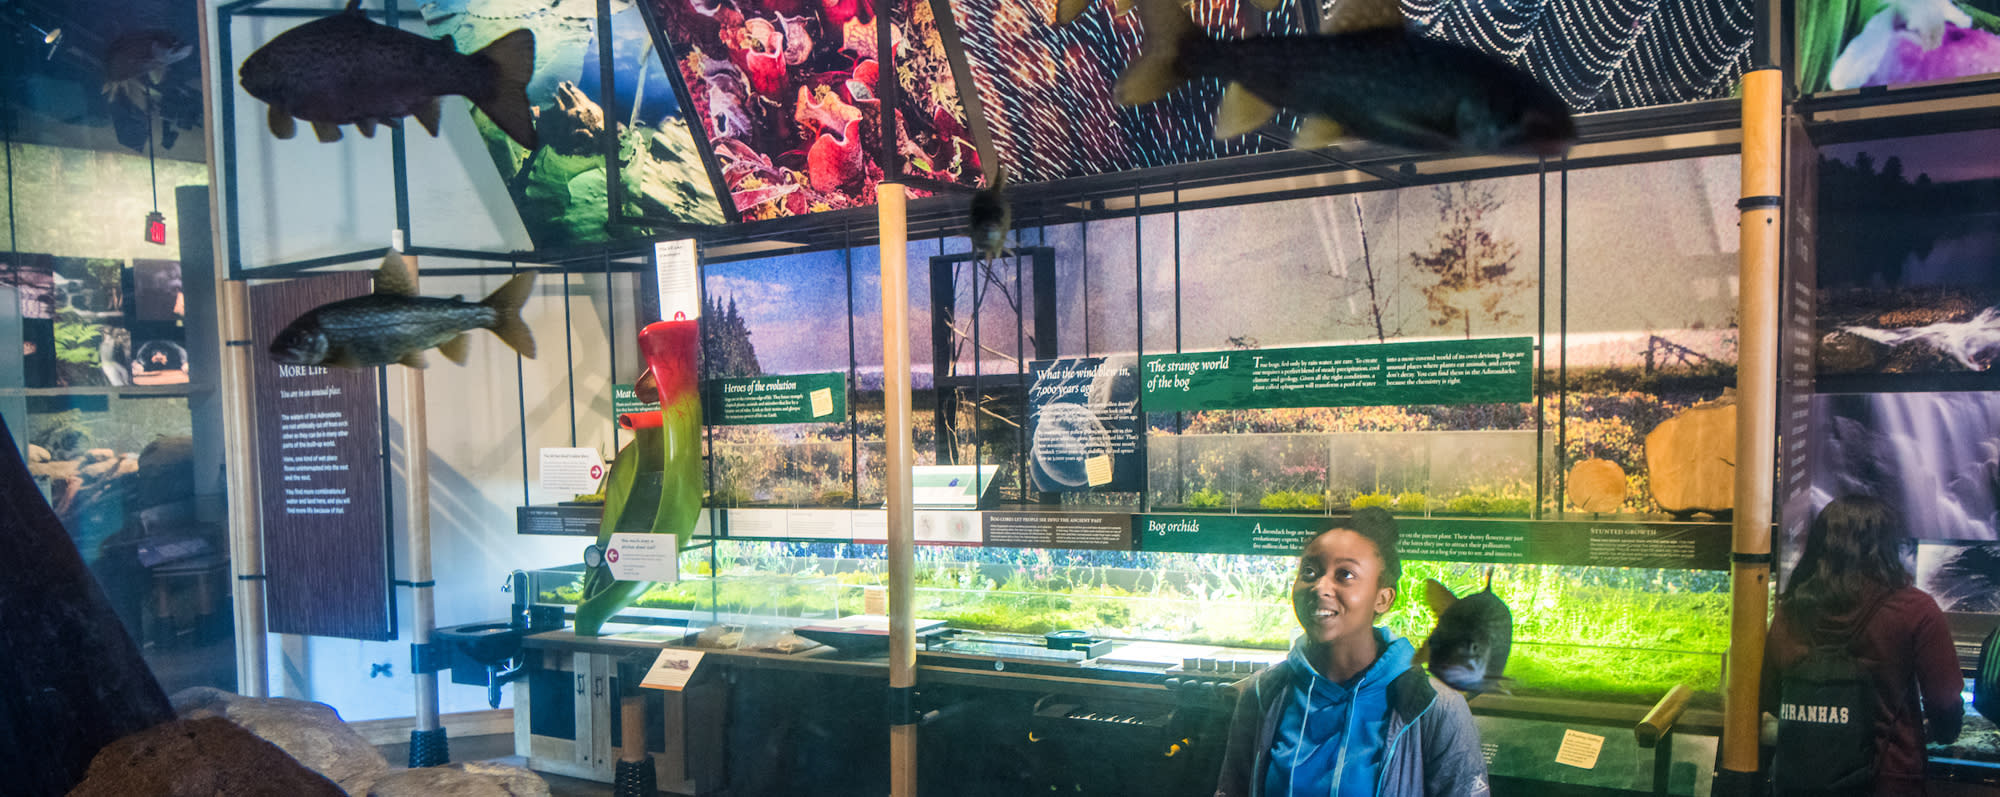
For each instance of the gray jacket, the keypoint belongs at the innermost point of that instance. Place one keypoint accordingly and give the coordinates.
(1440, 759)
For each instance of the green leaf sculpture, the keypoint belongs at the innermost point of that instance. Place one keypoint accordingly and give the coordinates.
(665, 451)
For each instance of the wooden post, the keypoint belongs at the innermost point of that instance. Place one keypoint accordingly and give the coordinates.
(417, 513)
(246, 541)
(1757, 415)
(632, 728)
(892, 212)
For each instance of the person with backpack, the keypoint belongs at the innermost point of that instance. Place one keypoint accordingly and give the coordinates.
(1349, 712)
(1858, 662)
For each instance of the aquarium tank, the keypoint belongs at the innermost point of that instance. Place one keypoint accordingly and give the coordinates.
(1616, 634)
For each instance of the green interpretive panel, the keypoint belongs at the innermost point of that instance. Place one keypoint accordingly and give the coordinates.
(1689, 546)
(1270, 535)
(626, 402)
(1487, 370)
(792, 398)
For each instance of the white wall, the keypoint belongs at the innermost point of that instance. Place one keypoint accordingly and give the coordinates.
(473, 415)
(301, 199)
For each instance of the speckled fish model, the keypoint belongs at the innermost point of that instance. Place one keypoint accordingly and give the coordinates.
(1365, 76)
(394, 325)
(1468, 648)
(349, 69)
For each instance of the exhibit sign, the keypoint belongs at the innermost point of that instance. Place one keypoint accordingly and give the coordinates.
(319, 457)
(1270, 536)
(1083, 425)
(625, 401)
(672, 669)
(1104, 531)
(793, 398)
(563, 520)
(1477, 371)
(677, 277)
(1798, 317)
(1687, 546)
(641, 556)
(571, 471)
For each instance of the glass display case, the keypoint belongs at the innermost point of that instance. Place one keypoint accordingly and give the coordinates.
(1616, 634)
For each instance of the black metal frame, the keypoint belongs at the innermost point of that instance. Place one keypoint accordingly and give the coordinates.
(944, 301)
(943, 215)
(683, 94)
(569, 258)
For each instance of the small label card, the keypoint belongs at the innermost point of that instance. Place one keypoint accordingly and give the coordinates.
(678, 277)
(643, 557)
(571, 471)
(1580, 749)
(1097, 470)
(672, 669)
(822, 402)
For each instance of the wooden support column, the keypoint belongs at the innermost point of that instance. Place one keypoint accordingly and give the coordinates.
(417, 513)
(1757, 416)
(892, 209)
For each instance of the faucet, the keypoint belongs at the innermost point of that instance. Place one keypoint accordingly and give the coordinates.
(517, 584)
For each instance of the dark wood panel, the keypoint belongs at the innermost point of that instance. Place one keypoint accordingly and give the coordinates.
(326, 545)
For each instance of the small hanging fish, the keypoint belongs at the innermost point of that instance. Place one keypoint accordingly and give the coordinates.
(349, 69)
(1365, 75)
(394, 325)
(991, 217)
(137, 61)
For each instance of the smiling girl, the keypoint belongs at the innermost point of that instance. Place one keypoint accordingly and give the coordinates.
(1347, 713)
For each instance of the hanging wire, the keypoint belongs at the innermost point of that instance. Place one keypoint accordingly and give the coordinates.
(152, 168)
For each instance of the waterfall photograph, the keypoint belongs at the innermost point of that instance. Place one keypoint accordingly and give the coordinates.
(1934, 457)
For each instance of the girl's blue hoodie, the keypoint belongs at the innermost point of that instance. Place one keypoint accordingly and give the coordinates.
(1329, 740)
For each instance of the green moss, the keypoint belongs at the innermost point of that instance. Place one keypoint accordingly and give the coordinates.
(1207, 498)
(1469, 505)
(1382, 500)
(1292, 500)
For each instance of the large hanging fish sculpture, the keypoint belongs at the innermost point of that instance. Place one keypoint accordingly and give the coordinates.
(1364, 76)
(349, 69)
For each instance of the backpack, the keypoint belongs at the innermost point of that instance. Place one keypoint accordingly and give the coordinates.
(1826, 721)
(1986, 682)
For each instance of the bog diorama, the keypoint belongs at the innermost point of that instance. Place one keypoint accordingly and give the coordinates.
(858, 396)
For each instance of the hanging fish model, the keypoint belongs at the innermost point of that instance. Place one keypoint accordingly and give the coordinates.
(1364, 75)
(394, 325)
(349, 69)
(137, 61)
